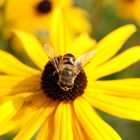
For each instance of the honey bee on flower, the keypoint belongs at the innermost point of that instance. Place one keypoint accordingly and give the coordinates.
(68, 67)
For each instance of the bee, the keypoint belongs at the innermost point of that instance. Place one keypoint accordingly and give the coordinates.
(67, 66)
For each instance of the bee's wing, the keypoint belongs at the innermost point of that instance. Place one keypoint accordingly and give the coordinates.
(51, 55)
(83, 60)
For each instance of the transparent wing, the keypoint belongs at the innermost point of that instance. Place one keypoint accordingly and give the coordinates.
(51, 55)
(83, 60)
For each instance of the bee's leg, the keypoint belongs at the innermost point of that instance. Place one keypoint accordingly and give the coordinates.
(54, 73)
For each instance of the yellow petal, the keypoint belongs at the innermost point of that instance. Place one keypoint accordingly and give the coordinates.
(12, 66)
(10, 85)
(120, 62)
(15, 123)
(81, 44)
(57, 122)
(33, 48)
(63, 131)
(123, 87)
(25, 114)
(10, 108)
(35, 123)
(94, 126)
(60, 38)
(22, 117)
(126, 108)
(63, 118)
(6, 127)
(33, 102)
(23, 133)
(78, 132)
(46, 130)
(111, 44)
(14, 91)
(69, 131)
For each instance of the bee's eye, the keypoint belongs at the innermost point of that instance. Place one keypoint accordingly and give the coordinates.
(67, 73)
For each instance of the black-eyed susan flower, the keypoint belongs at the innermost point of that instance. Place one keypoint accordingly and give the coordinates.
(35, 15)
(130, 9)
(32, 102)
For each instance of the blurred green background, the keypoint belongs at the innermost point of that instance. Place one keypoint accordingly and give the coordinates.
(104, 19)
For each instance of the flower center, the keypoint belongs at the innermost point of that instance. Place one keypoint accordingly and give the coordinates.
(49, 83)
(44, 7)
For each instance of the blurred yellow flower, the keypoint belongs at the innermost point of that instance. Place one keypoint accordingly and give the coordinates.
(32, 101)
(129, 9)
(35, 15)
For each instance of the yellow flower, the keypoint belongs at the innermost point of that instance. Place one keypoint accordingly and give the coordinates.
(130, 9)
(35, 15)
(32, 101)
